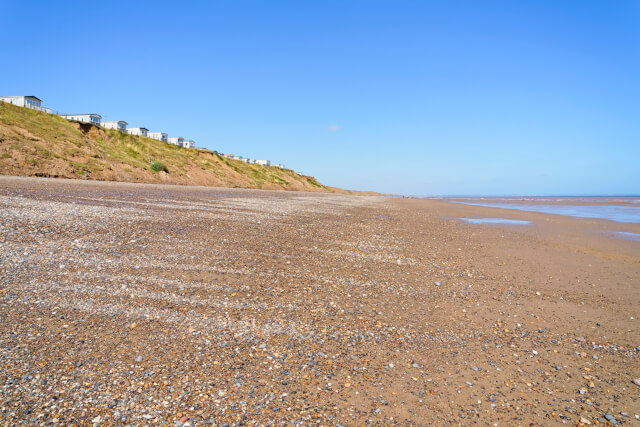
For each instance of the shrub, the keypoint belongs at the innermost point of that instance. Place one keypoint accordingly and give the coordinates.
(158, 166)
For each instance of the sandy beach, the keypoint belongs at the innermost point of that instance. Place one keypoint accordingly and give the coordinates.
(133, 304)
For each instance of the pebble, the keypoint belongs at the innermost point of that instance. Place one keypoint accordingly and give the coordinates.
(611, 419)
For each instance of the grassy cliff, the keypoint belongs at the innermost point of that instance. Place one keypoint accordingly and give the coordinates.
(33, 143)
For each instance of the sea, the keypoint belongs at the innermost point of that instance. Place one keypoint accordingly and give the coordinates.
(622, 210)
(577, 208)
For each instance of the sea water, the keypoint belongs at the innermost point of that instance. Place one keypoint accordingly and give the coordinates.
(495, 221)
(613, 213)
(629, 235)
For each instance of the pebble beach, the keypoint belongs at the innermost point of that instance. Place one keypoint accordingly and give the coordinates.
(133, 304)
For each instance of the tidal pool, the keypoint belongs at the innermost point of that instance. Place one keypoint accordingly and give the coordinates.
(495, 221)
(612, 213)
(628, 235)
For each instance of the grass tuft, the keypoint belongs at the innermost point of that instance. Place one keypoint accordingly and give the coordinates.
(157, 166)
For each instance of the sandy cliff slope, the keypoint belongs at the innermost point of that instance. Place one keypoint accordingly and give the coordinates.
(39, 144)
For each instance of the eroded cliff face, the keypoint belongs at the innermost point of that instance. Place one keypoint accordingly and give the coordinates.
(33, 143)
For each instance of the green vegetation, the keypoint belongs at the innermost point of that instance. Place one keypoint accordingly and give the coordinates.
(313, 182)
(157, 166)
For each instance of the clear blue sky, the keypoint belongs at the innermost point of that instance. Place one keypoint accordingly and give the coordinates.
(424, 97)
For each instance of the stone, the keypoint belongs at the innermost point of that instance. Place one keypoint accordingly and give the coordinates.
(611, 419)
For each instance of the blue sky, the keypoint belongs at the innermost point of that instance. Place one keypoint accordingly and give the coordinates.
(424, 97)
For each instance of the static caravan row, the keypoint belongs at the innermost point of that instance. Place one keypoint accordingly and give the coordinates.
(251, 161)
(30, 101)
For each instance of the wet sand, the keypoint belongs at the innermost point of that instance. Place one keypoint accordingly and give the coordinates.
(148, 305)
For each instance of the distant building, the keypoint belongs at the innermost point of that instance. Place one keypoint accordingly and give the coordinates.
(250, 161)
(279, 165)
(189, 144)
(28, 101)
(228, 155)
(160, 136)
(119, 125)
(263, 162)
(137, 131)
(176, 140)
(84, 118)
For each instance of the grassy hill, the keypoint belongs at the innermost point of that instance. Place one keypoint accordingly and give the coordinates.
(33, 143)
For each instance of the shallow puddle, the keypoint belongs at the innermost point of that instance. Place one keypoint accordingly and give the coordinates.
(495, 221)
(628, 235)
(612, 213)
